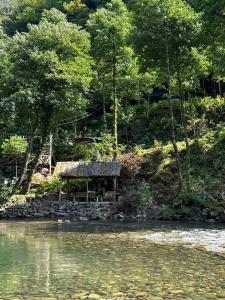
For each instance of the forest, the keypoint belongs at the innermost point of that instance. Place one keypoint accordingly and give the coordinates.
(144, 79)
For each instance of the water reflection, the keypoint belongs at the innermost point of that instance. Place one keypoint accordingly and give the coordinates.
(41, 260)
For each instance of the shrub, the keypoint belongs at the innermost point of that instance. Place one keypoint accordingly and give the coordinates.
(131, 165)
(166, 210)
(102, 150)
(50, 186)
(6, 191)
(74, 185)
(194, 199)
(130, 202)
(144, 189)
(16, 145)
(137, 198)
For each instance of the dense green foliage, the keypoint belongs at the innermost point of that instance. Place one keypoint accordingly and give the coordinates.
(16, 145)
(96, 68)
(5, 193)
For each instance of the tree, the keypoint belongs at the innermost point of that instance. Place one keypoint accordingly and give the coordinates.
(215, 28)
(28, 12)
(213, 34)
(7, 7)
(15, 146)
(184, 38)
(163, 37)
(50, 71)
(132, 85)
(77, 11)
(110, 28)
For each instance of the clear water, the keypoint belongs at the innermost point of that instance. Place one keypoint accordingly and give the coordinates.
(53, 261)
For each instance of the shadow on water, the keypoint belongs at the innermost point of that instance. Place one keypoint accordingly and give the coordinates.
(123, 227)
(98, 227)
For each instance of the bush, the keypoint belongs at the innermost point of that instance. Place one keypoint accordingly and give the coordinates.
(131, 165)
(6, 191)
(194, 199)
(137, 198)
(99, 151)
(166, 210)
(50, 186)
(74, 185)
(16, 145)
(144, 189)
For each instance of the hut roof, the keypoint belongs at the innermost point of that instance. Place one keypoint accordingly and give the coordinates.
(87, 169)
(87, 140)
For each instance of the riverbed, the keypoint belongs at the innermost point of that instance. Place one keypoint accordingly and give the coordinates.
(157, 260)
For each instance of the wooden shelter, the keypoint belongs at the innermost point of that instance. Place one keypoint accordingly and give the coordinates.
(98, 171)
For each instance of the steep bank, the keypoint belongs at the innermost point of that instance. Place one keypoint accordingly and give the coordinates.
(149, 177)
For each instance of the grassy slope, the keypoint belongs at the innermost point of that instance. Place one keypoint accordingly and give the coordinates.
(157, 161)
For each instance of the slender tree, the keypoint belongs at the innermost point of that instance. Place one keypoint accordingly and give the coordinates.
(110, 28)
(164, 29)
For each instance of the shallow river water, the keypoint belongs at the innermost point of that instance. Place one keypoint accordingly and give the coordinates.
(120, 261)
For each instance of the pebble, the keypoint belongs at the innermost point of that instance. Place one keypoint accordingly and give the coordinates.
(94, 297)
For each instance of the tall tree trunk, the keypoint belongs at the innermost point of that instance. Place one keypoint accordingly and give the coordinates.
(148, 107)
(172, 123)
(220, 90)
(75, 125)
(27, 159)
(38, 152)
(184, 127)
(214, 88)
(34, 165)
(103, 104)
(127, 124)
(115, 108)
(204, 91)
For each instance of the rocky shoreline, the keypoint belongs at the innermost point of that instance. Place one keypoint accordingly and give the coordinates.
(49, 207)
(27, 207)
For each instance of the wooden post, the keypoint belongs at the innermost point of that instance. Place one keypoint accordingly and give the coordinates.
(115, 188)
(60, 192)
(50, 156)
(87, 191)
(16, 170)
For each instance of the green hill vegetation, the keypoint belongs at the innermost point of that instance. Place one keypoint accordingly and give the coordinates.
(143, 78)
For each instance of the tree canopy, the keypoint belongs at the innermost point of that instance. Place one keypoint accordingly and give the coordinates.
(86, 67)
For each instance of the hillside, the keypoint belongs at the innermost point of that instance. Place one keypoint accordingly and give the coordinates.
(142, 82)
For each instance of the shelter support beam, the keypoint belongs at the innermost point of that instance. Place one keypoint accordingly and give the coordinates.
(115, 188)
(60, 192)
(87, 190)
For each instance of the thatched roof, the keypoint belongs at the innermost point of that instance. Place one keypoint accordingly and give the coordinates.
(87, 169)
(87, 140)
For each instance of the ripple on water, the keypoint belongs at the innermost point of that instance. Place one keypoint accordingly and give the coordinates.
(211, 240)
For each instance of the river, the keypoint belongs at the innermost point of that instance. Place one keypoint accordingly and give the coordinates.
(49, 260)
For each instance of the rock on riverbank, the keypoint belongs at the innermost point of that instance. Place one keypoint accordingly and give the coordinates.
(31, 206)
(21, 206)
